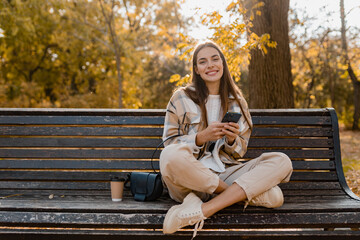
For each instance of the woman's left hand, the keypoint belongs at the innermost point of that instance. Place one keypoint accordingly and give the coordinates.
(231, 131)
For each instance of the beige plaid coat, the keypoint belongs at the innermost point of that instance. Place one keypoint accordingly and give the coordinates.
(183, 118)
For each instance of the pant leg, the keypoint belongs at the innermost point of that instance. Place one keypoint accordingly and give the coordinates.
(183, 173)
(260, 174)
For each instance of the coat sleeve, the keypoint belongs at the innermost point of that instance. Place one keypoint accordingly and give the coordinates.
(239, 147)
(177, 124)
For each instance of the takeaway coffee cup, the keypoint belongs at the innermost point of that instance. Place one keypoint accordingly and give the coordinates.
(117, 188)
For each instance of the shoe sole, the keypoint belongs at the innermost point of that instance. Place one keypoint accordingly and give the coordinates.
(168, 216)
(171, 211)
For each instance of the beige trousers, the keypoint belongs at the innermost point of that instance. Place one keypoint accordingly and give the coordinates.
(183, 173)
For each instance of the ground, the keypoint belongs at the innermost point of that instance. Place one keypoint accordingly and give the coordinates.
(350, 153)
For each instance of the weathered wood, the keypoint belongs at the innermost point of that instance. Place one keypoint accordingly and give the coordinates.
(79, 175)
(101, 203)
(115, 234)
(289, 142)
(292, 120)
(78, 164)
(36, 185)
(84, 120)
(104, 142)
(293, 154)
(149, 220)
(79, 131)
(126, 164)
(80, 142)
(71, 154)
(291, 132)
(311, 185)
(78, 153)
(140, 153)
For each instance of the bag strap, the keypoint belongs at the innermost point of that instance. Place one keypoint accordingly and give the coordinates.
(152, 156)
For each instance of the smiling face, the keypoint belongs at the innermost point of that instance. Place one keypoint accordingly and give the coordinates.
(209, 65)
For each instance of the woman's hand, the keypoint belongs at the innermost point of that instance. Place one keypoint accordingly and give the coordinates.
(212, 133)
(231, 131)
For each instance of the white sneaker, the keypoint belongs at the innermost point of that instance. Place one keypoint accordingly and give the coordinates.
(186, 214)
(272, 198)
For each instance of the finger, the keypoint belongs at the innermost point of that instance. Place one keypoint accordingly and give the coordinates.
(232, 129)
(235, 125)
(229, 133)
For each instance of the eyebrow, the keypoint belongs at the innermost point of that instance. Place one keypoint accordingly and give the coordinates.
(215, 55)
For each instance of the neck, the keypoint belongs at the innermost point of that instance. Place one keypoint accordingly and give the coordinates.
(213, 88)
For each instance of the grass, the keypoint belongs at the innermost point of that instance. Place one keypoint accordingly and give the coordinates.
(350, 152)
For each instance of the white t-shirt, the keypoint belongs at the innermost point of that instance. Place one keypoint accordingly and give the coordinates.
(213, 106)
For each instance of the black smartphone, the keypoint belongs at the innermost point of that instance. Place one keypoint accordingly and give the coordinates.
(231, 117)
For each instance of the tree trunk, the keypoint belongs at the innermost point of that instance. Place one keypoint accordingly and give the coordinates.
(110, 21)
(270, 79)
(352, 75)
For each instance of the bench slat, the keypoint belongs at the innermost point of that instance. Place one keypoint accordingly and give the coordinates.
(310, 185)
(290, 142)
(79, 131)
(105, 175)
(148, 131)
(77, 164)
(152, 120)
(236, 219)
(293, 154)
(110, 234)
(15, 186)
(291, 132)
(292, 120)
(36, 185)
(83, 120)
(156, 132)
(103, 203)
(123, 164)
(80, 142)
(139, 154)
(62, 142)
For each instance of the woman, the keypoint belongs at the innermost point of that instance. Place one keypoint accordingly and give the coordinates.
(199, 160)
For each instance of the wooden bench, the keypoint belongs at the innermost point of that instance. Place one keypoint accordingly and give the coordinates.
(55, 166)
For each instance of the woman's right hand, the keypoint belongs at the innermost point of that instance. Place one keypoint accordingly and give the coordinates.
(212, 133)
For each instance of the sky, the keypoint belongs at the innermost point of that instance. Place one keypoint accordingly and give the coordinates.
(197, 7)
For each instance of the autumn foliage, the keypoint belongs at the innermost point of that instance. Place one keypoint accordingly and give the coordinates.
(85, 53)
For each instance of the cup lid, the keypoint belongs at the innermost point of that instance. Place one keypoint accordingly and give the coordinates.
(117, 179)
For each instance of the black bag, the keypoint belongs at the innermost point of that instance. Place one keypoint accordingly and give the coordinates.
(145, 186)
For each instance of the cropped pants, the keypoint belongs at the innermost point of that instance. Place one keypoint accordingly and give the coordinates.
(183, 173)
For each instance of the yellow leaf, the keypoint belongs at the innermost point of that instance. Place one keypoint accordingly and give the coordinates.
(231, 6)
(175, 78)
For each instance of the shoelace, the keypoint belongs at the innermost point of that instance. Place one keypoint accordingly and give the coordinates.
(198, 226)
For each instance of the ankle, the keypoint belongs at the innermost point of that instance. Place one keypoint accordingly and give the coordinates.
(205, 210)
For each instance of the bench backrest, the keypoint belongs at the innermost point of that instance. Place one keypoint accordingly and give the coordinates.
(81, 149)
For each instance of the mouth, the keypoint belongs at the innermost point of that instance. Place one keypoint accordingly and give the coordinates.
(212, 72)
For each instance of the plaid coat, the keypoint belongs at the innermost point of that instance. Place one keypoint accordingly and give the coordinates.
(183, 118)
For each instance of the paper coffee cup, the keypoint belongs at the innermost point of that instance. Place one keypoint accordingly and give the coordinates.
(117, 189)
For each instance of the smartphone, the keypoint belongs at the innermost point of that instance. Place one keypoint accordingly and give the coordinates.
(231, 117)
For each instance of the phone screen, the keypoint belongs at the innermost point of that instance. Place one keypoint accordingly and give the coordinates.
(231, 117)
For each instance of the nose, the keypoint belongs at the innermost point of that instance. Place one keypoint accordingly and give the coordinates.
(211, 64)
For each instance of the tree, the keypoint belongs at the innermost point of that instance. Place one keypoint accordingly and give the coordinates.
(270, 79)
(352, 75)
(235, 39)
(73, 53)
